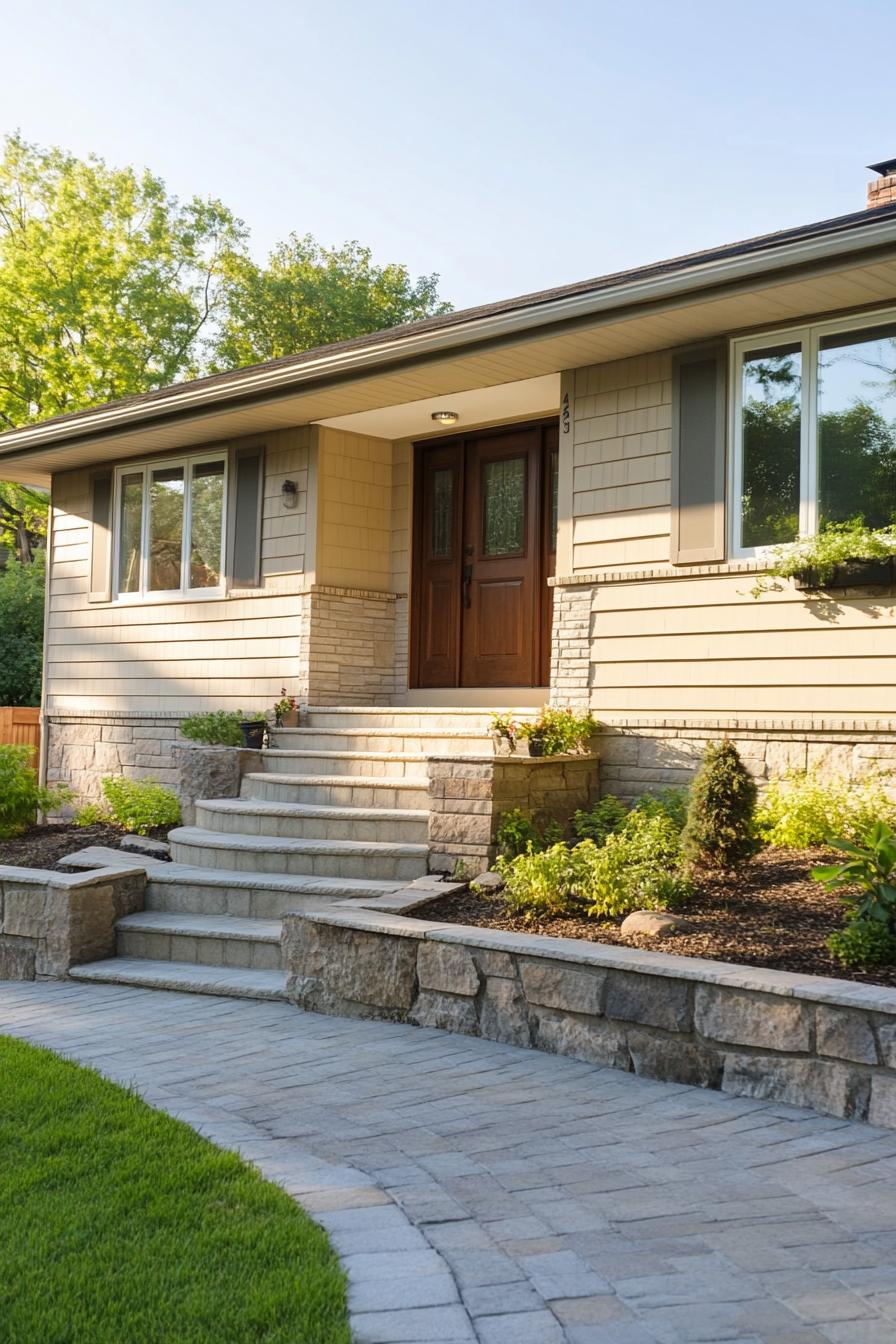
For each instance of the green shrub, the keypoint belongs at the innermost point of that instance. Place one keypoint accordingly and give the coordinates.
(637, 867)
(517, 834)
(139, 805)
(863, 944)
(218, 729)
(799, 809)
(720, 829)
(21, 797)
(602, 820)
(560, 730)
(671, 803)
(22, 630)
(92, 814)
(865, 879)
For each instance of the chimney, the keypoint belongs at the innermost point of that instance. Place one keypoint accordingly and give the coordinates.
(883, 191)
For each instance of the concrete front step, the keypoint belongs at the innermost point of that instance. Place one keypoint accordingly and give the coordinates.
(406, 717)
(207, 940)
(407, 792)
(316, 858)
(250, 816)
(377, 764)
(427, 741)
(233, 982)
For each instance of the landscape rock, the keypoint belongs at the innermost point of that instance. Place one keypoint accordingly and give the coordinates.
(146, 846)
(655, 923)
(488, 884)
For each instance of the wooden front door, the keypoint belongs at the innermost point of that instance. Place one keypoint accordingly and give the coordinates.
(483, 550)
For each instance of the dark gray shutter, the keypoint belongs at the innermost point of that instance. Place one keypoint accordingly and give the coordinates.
(100, 589)
(245, 536)
(698, 456)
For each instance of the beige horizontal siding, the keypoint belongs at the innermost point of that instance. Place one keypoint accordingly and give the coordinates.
(355, 510)
(183, 655)
(705, 646)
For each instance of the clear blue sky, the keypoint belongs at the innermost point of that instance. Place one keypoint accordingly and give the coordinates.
(507, 145)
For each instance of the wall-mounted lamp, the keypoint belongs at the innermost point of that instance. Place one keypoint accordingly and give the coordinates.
(289, 493)
(445, 417)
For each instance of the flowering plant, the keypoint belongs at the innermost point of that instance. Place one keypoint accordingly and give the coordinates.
(504, 725)
(285, 705)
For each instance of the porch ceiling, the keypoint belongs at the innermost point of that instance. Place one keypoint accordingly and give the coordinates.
(637, 328)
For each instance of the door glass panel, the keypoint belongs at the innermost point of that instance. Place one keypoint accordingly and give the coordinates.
(166, 528)
(503, 506)
(442, 523)
(130, 532)
(771, 446)
(206, 512)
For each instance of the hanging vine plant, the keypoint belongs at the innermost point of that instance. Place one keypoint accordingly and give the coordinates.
(843, 555)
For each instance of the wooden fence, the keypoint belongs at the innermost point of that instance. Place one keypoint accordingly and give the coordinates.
(21, 725)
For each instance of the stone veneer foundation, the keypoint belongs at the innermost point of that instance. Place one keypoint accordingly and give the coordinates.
(805, 1040)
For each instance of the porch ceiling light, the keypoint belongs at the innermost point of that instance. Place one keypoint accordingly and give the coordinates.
(445, 417)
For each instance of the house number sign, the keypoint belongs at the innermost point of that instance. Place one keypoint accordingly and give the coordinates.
(564, 413)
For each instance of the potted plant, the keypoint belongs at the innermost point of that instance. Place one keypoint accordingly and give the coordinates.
(505, 731)
(559, 731)
(252, 729)
(286, 711)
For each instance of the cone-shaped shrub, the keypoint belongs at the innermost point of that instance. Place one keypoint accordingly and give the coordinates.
(720, 829)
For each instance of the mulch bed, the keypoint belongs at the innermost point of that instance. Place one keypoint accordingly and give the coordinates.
(770, 912)
(44, 846)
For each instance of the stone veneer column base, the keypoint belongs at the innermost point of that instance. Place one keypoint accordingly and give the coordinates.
(349, 647)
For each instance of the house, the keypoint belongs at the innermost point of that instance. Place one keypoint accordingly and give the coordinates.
(567, 494)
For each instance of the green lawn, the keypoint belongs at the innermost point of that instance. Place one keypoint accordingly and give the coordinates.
(119, 1225)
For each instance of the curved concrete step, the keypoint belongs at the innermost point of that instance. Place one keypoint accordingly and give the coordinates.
(292, 761)
(318, 858)
(450, 717)
(182, 975)
(253, 895)
(250, 816)
(340, 790)
(428, 741)
(208, 940)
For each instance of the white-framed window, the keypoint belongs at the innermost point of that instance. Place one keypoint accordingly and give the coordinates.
(813, 430)
(168, 537)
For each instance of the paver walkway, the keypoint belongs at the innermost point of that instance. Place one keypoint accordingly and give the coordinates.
(480, 1192)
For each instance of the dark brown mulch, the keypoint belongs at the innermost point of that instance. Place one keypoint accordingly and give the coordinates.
(770, 912)
(44, 846)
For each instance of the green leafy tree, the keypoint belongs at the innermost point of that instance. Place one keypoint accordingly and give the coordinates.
(720, 829)
(21, 630)
(309, 295)
(23, 519)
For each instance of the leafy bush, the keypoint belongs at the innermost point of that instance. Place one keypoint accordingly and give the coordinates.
(560, 730)
(21, 797)
(638, 867)
(799, 809)
(863, 944)
(602, 820)
(91, 814)
(670, 803)
(22, 630)
(517, 834)
(140, 804)
(720, 829)
(218, 729)
(865, 879)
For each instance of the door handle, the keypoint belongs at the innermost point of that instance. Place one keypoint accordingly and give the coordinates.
(466, 581)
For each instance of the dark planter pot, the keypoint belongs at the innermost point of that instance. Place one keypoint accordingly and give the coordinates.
(536, 746)
(853, 574)
(252, 731)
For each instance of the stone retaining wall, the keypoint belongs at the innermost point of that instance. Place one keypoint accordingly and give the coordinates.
(83, 746)
(210, 772)
(468, 796)
(52, 921)
(809, 1041)
(639, 755)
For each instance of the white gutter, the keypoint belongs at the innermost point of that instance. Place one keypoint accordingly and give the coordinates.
(590, 303)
